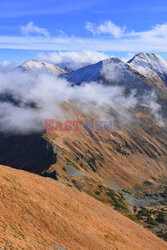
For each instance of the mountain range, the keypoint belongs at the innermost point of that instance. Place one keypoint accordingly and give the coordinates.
(143, 72)
(87, 175)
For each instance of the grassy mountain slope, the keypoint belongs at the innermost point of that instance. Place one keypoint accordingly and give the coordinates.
(38, 212)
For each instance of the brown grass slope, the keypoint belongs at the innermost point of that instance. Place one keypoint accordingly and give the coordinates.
(121, 159)
(40, 213)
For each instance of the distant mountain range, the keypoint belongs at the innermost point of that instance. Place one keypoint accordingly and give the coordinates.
(110, 71)
(143, 71)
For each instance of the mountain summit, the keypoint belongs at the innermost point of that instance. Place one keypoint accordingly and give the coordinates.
(150, 64)
(35, 66)
(109, 71)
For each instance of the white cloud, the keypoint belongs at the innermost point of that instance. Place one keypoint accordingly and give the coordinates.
(76, 43)
(91, 27)
(74, 59)
(157, 34)
(6, 66)
(31, 29)
(48, 92)
(154, 40)
(107, 27)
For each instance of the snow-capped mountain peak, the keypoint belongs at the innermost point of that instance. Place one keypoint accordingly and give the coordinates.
(150, 64)
(111, 60)
(110, 71)
(38, 66)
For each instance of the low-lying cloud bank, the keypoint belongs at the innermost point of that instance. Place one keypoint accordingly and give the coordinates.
(6, 66)
(27, 99)
(74, 59)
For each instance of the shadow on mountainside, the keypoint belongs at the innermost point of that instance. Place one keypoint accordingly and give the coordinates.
(27, 152)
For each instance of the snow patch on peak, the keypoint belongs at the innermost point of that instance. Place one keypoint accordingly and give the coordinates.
(36, 66)
(150, 64)
(111, 60)
(88, 73)
(119, 72)
(149, 58)
(110, 71)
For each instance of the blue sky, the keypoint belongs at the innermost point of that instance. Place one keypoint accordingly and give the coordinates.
(29, 29)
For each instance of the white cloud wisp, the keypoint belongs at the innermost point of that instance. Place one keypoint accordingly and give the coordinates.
(32, 29)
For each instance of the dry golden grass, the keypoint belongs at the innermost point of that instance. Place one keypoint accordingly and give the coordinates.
(36, 212)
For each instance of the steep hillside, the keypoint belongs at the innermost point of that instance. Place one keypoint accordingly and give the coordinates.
(125, 168)
(39, 213)
(123, 157)
(28, 152)
(120, 160)
(132, 154)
